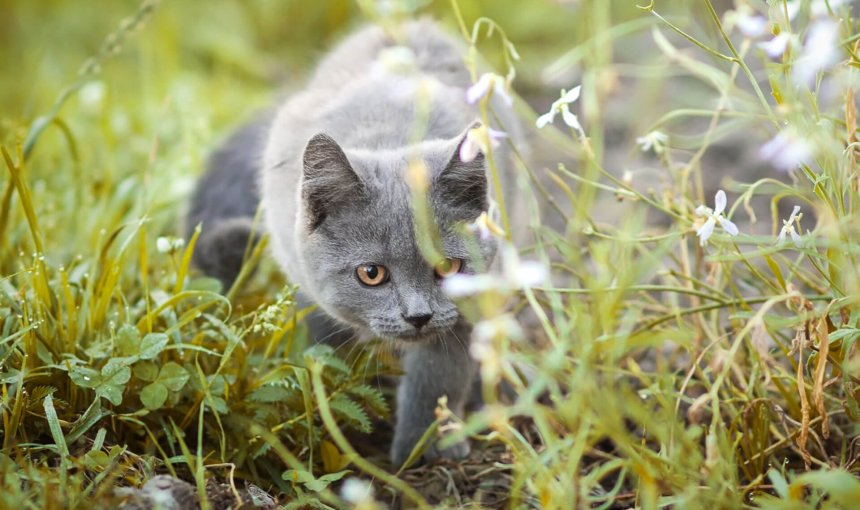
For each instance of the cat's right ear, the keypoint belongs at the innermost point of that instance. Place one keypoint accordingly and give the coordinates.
(328, 179)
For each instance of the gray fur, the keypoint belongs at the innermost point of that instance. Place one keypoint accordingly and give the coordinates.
(333, 184)
(225, 202)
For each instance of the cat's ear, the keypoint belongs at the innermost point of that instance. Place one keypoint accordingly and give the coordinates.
(328, 180)
(463, 181)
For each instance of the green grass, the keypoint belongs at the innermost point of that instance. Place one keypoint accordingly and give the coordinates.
(660, 373)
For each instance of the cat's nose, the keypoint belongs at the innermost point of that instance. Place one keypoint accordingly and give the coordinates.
(418, 320)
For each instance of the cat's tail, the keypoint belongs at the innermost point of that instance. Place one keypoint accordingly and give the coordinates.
(225, 202)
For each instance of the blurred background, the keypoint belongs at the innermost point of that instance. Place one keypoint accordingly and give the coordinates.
(170, 79)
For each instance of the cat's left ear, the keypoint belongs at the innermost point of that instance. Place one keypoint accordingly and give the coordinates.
(463, 181)
(328, 180)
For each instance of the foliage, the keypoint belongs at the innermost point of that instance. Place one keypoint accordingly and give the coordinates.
(660, 371)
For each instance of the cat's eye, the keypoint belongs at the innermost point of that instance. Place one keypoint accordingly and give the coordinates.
(372, 274)
(448, 267)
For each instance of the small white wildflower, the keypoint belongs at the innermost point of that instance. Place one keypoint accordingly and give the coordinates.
(714, 216)
(751, 25)
(485, 331)
(655, 140)
(819, 7)
(92, 95)
(516, 274)
(476, 141)
(486, 84)
(485, 227)
(355, 491)
(462, 285)
(776, 46)
(820, 52)
(788, 228)
(793, 7)
(166, 244)
(787, 150)
(562, 105)
(523, 274)
(502, 325)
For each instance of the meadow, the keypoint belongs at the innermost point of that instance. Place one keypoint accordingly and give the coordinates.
(697, 208)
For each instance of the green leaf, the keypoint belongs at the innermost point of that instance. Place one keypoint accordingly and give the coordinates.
(146, 371)
(322, 482)
(114, 375)
(845, 333)
(270, 393)
(173, 376)
(85, 377)
(152, 345)
(307, 479)
(93, 414)
(99, 350)
(297, 476)
(112, 393)
(116, 372)
(127, 341)
(217, 404)
(206, 284)
(841, 486)
(780, 486)
(154, 395)
(56, 429)
(96, 460)
(325, 355)
(346, 408)
(371, 397)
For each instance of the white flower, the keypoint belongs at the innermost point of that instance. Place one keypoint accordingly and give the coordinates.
(788, 228)
(355, 491)
(485, 227)
(751, 25)
(654, 140)
(716, 216)
(516, 274)
(485, 331)
(92, 95)
(820, 51)
(476, 141)
(793, 8)
(486, 84)
(562, 105)
(787, 150)
(462, 285)
(819, 7)
(776, 46)
(169, 244)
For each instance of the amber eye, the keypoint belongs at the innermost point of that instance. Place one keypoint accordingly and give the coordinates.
(449, 267)
(372, 274)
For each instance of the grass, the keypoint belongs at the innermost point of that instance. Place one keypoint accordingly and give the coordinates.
(657, 373)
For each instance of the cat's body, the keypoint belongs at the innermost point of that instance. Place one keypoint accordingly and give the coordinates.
(333, 180)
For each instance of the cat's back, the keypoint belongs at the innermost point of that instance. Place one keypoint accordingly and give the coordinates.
(365, 94)
(432, 51)
(367, 91)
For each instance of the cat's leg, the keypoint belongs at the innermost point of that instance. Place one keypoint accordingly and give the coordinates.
(220, 251)
(432, 369)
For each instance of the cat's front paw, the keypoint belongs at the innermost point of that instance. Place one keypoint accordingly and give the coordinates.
(401, 450)
(457, 451)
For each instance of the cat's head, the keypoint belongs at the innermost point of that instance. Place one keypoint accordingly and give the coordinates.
(359, 237)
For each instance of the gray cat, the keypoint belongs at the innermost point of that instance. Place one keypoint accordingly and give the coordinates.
(332, 178)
